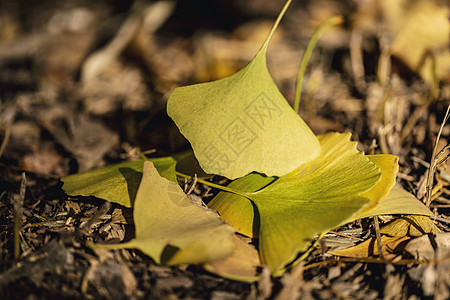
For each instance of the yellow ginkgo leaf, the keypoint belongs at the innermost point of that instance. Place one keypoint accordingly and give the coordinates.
(242, 123)
(398, 201)
(173, 230)
(388, 165)
(116, 183)
(242, 265)
(287, 213)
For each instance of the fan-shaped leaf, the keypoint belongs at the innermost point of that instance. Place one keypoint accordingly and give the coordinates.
(242, 123)
(293, 209)
(173, 230)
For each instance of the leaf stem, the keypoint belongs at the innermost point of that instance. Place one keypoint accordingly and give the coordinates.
(274, 27)
(217, 186)
(378, 236)
(336, 20)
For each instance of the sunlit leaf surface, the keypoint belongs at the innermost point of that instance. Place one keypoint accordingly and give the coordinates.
(314, 198)
(242, 123)
(398, 201)
(116, 183)
(173, 230)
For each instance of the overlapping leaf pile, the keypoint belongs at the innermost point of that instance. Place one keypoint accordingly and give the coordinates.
(291, 186)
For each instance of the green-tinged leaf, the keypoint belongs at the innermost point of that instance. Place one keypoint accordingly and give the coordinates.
(238, 211)
(384, 197)
(242, 123)
(173, 230)
(116, 183)
(314, 198)
(398, 201)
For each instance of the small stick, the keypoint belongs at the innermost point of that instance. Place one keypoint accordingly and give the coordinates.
(18, 212)
(378, 235)
(346, 235)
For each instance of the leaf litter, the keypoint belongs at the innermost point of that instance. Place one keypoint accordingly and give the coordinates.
(318, 283)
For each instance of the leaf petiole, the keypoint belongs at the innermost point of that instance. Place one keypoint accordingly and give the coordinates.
(214, 185)
(274, 27)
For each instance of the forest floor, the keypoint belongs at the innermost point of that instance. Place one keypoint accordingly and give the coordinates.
(84, 84)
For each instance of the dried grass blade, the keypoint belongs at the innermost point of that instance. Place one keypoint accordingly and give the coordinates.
(432, 168)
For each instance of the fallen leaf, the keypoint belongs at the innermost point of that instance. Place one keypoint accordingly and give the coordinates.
(388, 165)
(410, 225)
(242, 123)
(369, 247)
(237, 210)
(116, 183)
(396, 236)
(234, 208)
(314, 198)
(242, 265)
(398, 201)
(171, 229)
(44, 161)
(286, 213)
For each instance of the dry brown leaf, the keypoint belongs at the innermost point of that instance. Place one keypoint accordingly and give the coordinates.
(410, 225)
(369, 248)
(395, 236)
